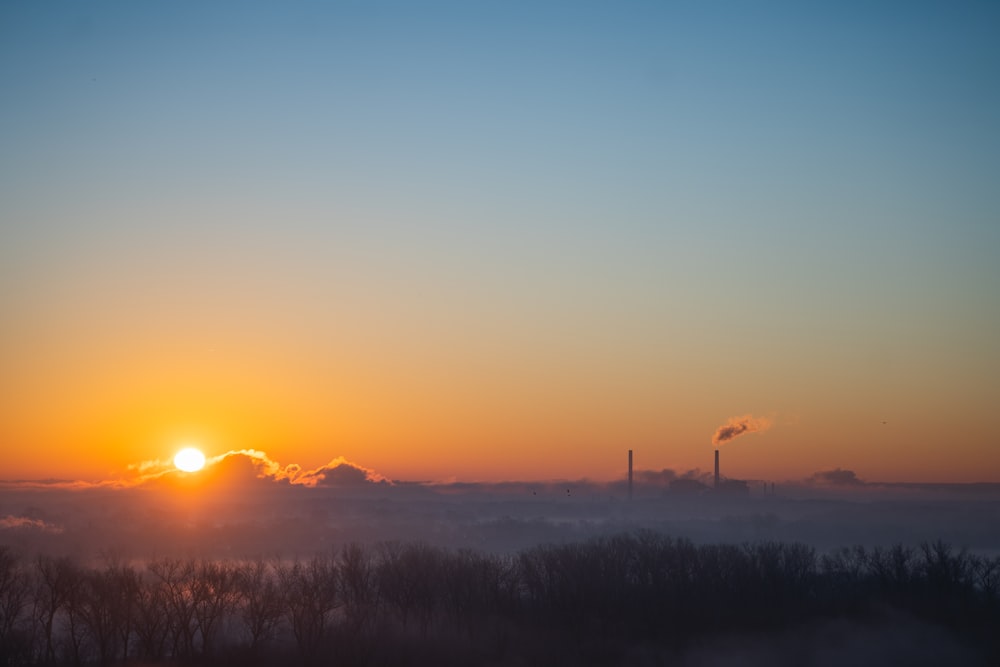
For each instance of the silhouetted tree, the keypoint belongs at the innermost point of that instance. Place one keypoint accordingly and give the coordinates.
(15, 594)
(987, 575)
(98, 606)
(152, 619)
(55, 581)
(175, 577)
(310, 592)
(592, 602)
(408, 579)
(259, 602)
(213, 592)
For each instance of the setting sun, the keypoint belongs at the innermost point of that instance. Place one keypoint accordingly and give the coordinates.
(189, 459)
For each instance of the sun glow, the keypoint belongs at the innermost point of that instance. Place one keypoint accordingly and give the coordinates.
(189, 459)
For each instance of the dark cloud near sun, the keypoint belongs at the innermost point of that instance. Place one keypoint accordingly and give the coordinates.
(254, 468)
(236, 469)
(340, 473)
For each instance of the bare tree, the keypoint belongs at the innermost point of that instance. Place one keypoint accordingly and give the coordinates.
(259, 603)
(987, 573)
(175, 577)
(126, 585)
(55, 581)
(409, 577)
(75, 635)
(152, 619)
(310, 593)
(15, 593)
(213, 592)
(97, 605)
(358, 589)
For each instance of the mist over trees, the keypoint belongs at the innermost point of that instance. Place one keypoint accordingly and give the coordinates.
(248, 516)
(234, 568)
(631, 598)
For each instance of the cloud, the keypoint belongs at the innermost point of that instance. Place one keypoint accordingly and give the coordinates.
(77, 484)
(339, 472)
(249, 466)
(252, 464)
(235, 468)
(737, 426)
(246, 468)
(836, 477)
(14, 522)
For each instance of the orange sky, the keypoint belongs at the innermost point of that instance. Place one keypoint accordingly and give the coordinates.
(87, 411)
(97, 376)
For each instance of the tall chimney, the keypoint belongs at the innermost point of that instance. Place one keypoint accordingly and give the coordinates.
(630, 474)
(716, 468)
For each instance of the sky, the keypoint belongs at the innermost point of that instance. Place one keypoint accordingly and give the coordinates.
(501, 240)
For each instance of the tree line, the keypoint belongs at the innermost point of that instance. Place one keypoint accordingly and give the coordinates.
(395, 603)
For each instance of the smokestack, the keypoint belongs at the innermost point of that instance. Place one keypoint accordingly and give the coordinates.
(716, 468)
(630, 474)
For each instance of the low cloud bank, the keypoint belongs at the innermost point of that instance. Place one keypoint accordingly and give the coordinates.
(244, 503)
(235, 467)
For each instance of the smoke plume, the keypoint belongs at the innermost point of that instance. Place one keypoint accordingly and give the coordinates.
(737, 426)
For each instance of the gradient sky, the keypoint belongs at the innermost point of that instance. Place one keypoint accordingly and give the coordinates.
(501, 240)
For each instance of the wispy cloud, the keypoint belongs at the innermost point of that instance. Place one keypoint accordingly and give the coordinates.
(10, 522)
(125, 482)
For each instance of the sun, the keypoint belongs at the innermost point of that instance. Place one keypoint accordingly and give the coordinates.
(189, 459)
